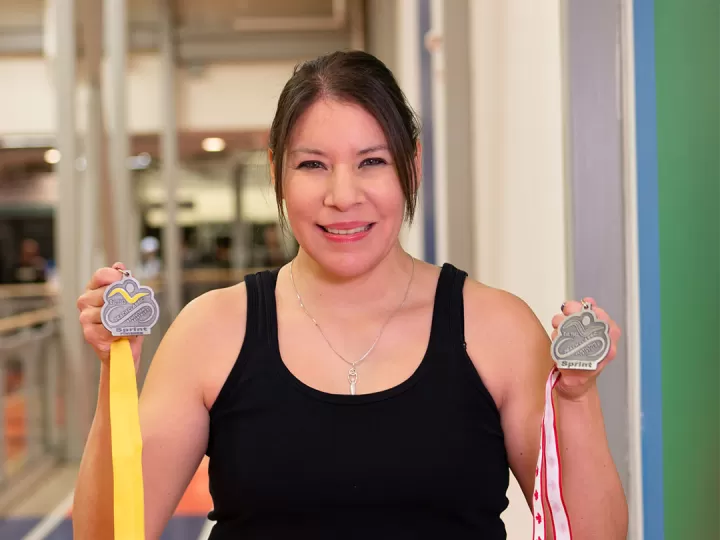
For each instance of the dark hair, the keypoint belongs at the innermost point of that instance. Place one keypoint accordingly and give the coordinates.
(355, 77)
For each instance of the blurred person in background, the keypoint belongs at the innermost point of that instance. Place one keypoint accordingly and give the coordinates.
(31, 267)
(150, 265)
(355, 392)
(188, 248)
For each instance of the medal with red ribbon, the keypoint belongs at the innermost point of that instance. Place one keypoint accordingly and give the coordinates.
(582, 342)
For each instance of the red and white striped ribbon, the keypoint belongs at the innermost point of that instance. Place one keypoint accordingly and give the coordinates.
(548, 474)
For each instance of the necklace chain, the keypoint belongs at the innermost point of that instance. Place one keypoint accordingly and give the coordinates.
(352, 374)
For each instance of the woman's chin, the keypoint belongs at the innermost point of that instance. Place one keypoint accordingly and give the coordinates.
(346, 265)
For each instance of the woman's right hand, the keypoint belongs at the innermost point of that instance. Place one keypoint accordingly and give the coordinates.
(90, 303)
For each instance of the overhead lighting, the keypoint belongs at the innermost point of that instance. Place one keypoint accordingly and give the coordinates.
(52, 156)
(213, 144)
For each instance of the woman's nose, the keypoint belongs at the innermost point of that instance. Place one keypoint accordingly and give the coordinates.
(343, 192)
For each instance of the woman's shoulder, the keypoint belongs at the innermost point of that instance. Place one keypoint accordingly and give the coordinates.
(495, 306)
(212, 322)
(504, 336)
(216, 307)
(207, 336)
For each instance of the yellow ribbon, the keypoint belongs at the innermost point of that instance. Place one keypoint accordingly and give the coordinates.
(129, 501)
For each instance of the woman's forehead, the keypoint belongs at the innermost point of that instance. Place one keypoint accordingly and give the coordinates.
(330, 124)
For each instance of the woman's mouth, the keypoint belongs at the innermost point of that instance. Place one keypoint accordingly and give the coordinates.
(346, 232)
(354, 230)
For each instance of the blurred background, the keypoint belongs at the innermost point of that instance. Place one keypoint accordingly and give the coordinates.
(571, 148)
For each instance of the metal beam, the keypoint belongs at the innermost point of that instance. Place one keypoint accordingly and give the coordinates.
(201, 47)
(78, 409)
(116, 46)
(95, 147)
(94, 180)
(170, 167)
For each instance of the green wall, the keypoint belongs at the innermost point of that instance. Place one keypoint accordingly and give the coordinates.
(688, 131)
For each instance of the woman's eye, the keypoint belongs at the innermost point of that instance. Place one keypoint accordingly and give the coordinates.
(373, 162)
(310, 165)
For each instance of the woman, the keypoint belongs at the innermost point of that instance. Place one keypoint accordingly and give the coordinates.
(448, 375)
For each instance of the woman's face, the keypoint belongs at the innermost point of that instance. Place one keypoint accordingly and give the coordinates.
(342, 193)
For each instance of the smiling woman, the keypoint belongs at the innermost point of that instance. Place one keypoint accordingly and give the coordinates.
(342, 137)
(355, 392)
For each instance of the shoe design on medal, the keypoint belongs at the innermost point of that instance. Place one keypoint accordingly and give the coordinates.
(129, 309)
(582, 341)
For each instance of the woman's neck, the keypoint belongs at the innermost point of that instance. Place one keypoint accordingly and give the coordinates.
(387, 281)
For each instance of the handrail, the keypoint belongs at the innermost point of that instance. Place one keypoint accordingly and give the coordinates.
(27, 290)
(28, 319)
(189, 277)
(33, 397)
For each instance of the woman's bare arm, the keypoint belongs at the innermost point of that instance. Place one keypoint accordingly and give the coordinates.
(173, 416)
(521, 362)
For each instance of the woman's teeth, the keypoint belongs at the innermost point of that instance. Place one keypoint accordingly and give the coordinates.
(348, 231)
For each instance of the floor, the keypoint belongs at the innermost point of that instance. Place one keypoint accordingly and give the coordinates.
(46, 515)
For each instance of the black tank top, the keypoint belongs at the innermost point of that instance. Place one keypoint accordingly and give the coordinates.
(424, 459)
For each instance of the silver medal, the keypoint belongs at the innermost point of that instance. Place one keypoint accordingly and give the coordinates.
(582, 341)
(129, 309)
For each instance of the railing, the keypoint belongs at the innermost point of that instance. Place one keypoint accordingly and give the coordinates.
(33, 372)
(32, 429)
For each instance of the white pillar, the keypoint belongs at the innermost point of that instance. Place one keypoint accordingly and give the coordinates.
(519, 172)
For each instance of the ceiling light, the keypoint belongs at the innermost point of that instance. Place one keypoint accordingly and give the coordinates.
(213, 144)
(52, 156)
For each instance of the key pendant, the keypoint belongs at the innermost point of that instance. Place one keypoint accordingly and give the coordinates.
(582, 341)
(129, 309)
(352, 379)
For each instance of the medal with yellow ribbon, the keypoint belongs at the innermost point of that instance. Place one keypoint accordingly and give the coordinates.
(129, 310)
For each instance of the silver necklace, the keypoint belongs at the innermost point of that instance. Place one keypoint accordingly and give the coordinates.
(352, 373)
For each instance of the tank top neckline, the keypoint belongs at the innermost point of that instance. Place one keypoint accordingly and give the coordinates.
(442, 291)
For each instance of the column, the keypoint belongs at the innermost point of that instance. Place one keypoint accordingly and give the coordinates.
(597, 266)
(449, 42)
(170, 167)
(408, 46)
(116, 24)
(95, 179)
(66, 227)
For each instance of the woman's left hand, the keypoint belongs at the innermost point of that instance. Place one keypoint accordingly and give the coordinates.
(574, 384)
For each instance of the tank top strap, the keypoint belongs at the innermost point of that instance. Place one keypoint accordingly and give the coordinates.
(448, 323)
(260, 330)
(261, 325)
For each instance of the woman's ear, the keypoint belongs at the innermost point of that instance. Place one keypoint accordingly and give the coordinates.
(272, 167)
